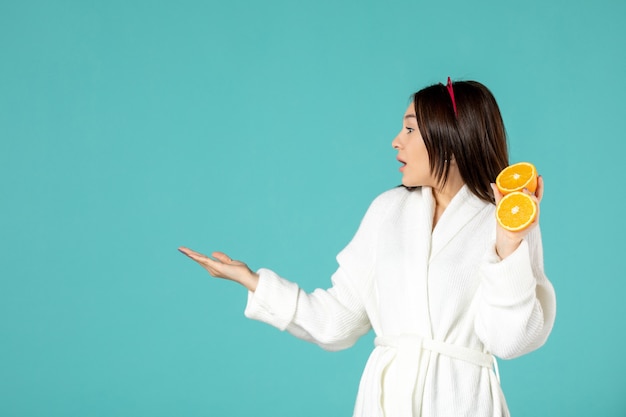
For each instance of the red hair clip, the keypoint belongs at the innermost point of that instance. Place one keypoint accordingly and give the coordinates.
(451, 92)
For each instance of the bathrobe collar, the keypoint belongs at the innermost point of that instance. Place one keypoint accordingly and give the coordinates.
(463, 207)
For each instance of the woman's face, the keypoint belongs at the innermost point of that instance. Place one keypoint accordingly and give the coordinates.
(412, 153)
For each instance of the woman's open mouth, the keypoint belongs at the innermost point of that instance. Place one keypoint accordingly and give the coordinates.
(403, 164)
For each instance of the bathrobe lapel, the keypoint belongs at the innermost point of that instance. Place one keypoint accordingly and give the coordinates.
(410, 246)
(461, 210)
(417, 246)
(426, 243)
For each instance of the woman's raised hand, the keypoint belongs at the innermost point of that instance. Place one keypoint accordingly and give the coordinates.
(222, 266)
(507, 241)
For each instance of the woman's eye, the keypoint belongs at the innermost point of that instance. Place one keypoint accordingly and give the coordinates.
(410, 129)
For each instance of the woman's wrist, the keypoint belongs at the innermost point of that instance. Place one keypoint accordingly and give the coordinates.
(250, 281)
(505, 246)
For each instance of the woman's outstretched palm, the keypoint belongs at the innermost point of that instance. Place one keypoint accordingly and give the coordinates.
(222, 266)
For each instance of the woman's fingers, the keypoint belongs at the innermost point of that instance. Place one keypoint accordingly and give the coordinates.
(196, 256)
(222, 257)
(536, 196)
(192, 254)
(210, 264)
(539, 190)
(496, 193)
(223, 266)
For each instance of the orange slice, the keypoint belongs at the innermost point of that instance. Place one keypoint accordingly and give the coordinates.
(516, 177)
(516, 211)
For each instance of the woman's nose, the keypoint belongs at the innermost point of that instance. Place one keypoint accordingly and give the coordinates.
(395, 143)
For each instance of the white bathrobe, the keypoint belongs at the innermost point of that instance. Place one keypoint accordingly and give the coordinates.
(441, 303)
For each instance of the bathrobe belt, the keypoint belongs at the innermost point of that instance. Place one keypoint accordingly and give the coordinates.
(409, 351)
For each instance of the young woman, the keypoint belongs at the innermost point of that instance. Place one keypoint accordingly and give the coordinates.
(442, 285)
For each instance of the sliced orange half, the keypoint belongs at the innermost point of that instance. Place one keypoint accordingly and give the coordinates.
(516, 177)
(516, 211)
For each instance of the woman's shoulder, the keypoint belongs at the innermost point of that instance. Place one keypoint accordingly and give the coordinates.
(393, 198)
(396, 195)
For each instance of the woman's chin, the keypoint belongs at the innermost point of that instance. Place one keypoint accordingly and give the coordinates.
(409, 184)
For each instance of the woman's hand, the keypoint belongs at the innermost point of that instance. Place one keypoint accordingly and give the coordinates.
(224, 267)
(507, 241)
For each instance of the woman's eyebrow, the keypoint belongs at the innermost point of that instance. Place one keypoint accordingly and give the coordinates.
(409, 116)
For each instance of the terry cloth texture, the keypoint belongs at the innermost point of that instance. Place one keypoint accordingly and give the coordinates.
(440, 302)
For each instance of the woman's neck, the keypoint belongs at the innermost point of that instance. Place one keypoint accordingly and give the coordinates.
(444, 195)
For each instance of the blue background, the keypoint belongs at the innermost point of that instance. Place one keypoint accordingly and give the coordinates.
(263, 129)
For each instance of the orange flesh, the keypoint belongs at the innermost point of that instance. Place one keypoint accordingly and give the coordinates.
(516, 211)
(516, 177)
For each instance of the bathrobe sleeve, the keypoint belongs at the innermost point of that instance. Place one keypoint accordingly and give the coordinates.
(334, 318)
(517, 303)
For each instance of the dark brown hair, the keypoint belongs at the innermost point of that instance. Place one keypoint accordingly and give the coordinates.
(475, 137)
